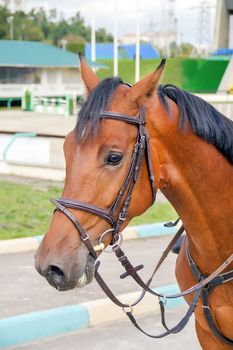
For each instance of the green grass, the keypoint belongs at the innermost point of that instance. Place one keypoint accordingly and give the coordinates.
(26, 211)
(157, 213)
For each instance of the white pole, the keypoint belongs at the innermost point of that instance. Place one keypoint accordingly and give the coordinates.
(115, 42)
(93, 46)
(137, 50)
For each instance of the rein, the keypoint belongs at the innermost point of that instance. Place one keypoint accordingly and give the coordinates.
(122, 203)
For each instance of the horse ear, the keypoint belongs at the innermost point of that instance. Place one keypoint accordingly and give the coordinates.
(147, 85)
(89, 77)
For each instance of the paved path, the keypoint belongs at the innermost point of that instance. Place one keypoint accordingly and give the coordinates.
(24, 290)
(123, 336)
(51, 124)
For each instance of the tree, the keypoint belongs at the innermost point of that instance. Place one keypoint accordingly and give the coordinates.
(185, 49)
(40, 19)
(75, 43)
(78, 27)
(26, 28)
(37, 25)
(4, 23)
(102, 36)
(58, 31)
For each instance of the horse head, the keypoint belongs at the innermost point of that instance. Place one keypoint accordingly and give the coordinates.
(100, 171)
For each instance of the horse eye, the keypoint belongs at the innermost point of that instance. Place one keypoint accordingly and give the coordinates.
(113, 159)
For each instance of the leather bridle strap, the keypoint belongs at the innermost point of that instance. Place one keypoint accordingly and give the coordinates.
(125, 118)
(141, 146)
(91, 208)
(84, 236)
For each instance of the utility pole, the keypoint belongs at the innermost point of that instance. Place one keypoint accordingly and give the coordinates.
(137, 50)
(93, 40)
(11, 23)
(115, 41)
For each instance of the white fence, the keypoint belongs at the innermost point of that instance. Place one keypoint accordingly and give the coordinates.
(223, 103)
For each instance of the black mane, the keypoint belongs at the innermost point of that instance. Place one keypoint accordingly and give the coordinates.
(88, 118)
(205, 120)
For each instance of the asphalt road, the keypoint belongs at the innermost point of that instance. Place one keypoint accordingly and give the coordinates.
(123, 336)
(24, 290)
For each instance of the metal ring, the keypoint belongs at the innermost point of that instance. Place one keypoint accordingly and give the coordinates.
(163, 300)
(110, 248)
(104, 233)
(127, 309)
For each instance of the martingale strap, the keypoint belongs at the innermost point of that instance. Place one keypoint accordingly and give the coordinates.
(127, 308)
(203, 284)
(206, 291)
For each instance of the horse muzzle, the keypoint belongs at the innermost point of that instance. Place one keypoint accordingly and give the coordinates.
(68, 274)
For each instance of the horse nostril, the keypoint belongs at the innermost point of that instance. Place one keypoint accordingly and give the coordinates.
(55, 276)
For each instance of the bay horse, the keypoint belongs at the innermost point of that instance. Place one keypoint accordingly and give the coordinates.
(173, 141)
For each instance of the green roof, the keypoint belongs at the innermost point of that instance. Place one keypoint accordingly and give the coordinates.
(36, 54)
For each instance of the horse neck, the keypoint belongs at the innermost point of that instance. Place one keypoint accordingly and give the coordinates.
(198, 181)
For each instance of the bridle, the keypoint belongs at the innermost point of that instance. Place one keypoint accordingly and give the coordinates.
(121, 205)
(141, 148)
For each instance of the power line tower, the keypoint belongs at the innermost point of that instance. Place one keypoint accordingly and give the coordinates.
(171, 18)
(152, 24)
(170, 22)
(204, 24)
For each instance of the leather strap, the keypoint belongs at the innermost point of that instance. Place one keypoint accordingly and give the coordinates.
(208, 315)
(218, 280)
(122, 117)
(178, 328)
(91, 208)
(84, 236)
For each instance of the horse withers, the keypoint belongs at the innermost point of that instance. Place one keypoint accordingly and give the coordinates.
(128, 142)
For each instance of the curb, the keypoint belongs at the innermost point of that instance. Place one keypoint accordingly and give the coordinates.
(19, 245)
(25, 328)
(38, 172)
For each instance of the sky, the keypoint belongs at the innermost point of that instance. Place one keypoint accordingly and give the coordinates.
(152, 14)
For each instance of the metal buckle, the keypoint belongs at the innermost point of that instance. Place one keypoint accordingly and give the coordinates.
(86, 238)
(122, 218)
(206, 307)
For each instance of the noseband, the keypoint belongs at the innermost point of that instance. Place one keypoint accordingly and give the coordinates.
(141, 148)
